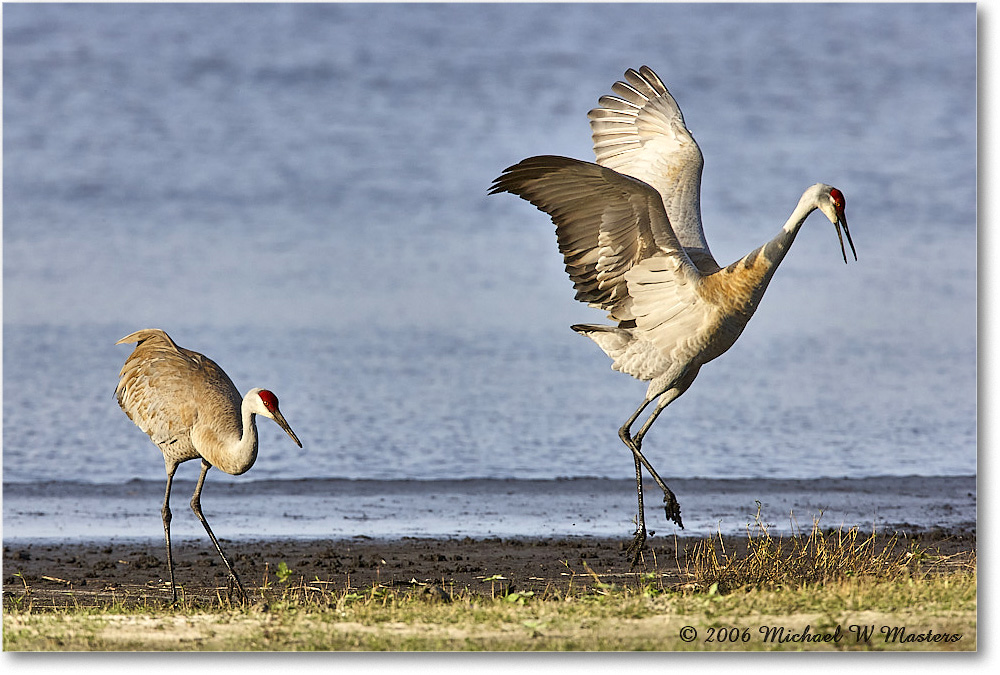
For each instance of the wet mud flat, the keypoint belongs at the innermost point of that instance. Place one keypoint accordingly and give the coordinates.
(340, 509)
(96, 573)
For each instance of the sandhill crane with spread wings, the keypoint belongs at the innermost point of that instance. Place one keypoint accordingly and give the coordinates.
(192, 410)
(629, 228)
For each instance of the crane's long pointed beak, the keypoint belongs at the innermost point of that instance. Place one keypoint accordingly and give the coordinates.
(280, 419)
(842, 221)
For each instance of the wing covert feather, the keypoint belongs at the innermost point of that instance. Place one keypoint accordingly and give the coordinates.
(667, 306)
(161, 387)
(606, 222)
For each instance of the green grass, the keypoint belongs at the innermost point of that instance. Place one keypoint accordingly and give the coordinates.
(642, 618)
(766, 594)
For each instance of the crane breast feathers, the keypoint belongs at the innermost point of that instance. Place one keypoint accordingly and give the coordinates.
(641, 133)
(666, 304)
(605, 222)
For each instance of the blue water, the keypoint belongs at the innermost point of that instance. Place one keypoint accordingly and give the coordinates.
(299, 191)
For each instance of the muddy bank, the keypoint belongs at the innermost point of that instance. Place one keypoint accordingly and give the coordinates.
(92, 573)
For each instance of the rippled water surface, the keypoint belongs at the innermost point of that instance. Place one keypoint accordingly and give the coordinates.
(299, 191)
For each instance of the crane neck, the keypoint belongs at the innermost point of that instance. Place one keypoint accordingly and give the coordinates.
(242, 452)
(739, 287)
(774, 251)
(248, 442)
(765, 259)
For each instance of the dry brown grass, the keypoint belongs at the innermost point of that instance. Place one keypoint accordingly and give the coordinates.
(818, 557)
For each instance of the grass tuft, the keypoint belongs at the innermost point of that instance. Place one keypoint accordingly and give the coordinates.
(816, 558)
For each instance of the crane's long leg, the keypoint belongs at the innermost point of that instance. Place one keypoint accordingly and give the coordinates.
(196, 507)
(671, 506)
(639, 541)
(635, 548)
(165, 512)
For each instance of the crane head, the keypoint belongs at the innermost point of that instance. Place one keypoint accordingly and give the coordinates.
(266, 404)
(831, 202)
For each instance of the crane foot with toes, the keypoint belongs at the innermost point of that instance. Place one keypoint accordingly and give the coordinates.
(634, 550)
(236, 593)
(672, 508)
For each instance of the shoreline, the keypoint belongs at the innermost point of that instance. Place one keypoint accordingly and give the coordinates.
(340, 509)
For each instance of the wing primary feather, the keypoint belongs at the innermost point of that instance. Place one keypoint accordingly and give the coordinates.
(639, 131)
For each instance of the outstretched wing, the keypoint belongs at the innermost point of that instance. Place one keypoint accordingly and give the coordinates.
(606, 225)
(641, 133)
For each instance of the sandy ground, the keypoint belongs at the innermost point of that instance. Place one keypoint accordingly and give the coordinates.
(92, 573)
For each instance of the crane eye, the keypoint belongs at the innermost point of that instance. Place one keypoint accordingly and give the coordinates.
(838, 199)
(269, 399)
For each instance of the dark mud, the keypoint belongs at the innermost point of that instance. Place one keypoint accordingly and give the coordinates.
(50, 574)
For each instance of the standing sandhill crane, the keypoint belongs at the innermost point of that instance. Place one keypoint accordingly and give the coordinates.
(192, 410)
(629, 229)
